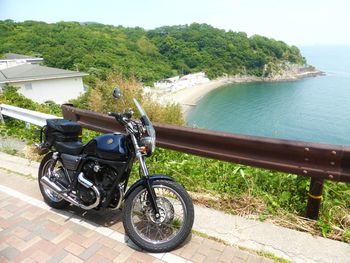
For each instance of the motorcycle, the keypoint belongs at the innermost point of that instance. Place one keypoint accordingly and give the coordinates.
(158, 213)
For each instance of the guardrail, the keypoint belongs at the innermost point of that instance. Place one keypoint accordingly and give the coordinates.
(25, 115)
(318, 161)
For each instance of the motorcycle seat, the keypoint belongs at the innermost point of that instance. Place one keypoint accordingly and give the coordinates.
(73, 148)
(63, 126)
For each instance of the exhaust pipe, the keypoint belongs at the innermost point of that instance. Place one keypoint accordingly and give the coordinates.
(51, 185)
(85, 182)
(61, 191)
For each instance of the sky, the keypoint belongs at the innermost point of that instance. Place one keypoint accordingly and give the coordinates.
(296, 22)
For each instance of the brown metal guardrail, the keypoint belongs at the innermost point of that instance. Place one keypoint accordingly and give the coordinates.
(318, 161)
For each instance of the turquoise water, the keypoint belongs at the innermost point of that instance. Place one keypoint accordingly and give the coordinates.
(314, 109)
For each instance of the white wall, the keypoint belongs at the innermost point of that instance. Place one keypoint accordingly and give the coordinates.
(57, 90)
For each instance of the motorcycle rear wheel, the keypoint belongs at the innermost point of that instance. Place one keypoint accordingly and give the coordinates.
(50, 197)
(159, 234)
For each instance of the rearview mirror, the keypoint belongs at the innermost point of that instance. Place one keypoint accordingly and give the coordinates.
(117, 94)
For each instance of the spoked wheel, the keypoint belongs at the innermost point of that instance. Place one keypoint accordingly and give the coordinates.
(165, 232)
(50, 197)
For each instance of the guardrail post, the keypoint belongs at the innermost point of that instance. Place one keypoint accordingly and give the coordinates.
(315, 197)
(1, 117)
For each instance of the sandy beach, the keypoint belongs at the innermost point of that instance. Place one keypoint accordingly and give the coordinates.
(188, 97)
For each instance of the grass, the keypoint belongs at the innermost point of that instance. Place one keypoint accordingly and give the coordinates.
(257, 193)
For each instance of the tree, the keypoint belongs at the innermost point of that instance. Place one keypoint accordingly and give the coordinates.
(146, 55)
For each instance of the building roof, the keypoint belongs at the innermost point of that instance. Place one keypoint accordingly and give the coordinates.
(8, 56)
(30, 72)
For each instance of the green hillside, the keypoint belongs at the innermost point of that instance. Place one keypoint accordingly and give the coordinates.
(148, 55)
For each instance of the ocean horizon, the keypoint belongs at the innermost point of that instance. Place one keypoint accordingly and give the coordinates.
(314, 109)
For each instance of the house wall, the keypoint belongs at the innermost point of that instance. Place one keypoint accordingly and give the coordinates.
(57, 90)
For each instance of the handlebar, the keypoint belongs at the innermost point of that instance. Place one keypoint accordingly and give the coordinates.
(114, 114)
(121, 117)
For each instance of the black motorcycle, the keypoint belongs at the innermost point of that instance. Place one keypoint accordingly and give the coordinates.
(158, 213)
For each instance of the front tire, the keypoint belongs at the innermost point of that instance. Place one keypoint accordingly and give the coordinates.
(50, 197)
(159, 234)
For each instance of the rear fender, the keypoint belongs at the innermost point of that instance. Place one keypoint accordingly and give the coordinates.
(152, 178)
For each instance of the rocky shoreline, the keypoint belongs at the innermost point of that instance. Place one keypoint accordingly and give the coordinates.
(290, 74)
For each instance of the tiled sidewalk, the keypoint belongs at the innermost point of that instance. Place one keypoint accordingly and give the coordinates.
(32, 232)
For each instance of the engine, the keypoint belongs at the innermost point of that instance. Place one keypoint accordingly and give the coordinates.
(103, 177)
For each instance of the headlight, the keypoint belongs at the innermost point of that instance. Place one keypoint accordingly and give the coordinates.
(149, 144)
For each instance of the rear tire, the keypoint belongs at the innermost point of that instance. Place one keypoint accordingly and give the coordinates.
(50, 198)
(139, 215)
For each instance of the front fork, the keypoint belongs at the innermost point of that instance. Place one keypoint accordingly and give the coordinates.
(147, 183)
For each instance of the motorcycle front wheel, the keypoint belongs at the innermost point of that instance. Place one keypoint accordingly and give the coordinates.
(169, 230)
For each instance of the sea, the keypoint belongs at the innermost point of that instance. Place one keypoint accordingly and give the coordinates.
(314, 109)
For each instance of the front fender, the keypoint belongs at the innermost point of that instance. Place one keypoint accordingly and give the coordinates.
(154, 177)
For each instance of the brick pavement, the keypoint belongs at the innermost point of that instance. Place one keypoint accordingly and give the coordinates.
(32, 232)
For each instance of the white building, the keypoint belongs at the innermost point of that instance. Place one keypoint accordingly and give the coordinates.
(166, 84)
(40, 83)
(178, 83)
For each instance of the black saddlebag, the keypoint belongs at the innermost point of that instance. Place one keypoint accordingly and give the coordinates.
(60, 130)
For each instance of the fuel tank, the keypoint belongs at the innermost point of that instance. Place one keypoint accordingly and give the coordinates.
(108, 146)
